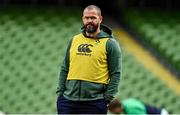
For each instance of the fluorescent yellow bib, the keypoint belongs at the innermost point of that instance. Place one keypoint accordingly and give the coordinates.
(88, 60)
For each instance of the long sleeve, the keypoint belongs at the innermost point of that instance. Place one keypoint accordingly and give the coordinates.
(114, 67)
(64, 72)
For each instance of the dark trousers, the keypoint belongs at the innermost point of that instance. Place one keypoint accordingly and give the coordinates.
(65, 106)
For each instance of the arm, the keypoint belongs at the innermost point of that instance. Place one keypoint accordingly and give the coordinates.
(114, 67)
(63, 72)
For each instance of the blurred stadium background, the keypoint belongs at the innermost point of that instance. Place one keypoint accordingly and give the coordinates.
(34, 35)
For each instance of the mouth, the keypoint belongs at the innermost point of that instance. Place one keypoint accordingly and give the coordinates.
(90, 28)
(89, 25)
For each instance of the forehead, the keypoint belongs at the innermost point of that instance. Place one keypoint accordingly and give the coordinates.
(88, 12)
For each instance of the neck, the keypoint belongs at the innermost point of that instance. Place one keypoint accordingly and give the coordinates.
(92, 35)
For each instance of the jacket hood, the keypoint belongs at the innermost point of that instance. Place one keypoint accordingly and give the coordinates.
(105, 32)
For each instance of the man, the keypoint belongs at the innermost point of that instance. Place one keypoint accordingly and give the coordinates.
(90, 72)
(134, 106)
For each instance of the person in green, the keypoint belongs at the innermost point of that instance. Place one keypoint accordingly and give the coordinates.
(134, 106)
(90, 72)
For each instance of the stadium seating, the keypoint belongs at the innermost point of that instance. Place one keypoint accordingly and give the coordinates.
(32, 46)
(140, 83)
(159, 29)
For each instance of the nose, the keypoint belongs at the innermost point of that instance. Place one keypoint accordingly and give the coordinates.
(89, 20)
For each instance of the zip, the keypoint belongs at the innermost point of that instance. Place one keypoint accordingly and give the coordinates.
(79, 89)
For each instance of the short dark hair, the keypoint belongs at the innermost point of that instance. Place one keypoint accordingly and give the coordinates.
(114, 104)
(90, 7)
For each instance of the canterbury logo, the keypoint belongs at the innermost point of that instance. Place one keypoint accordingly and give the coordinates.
(85, 48)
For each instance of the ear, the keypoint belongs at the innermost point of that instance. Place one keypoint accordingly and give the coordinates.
(82, 18)
(101, 18)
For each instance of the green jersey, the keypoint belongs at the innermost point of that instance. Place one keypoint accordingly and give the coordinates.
(133, 106)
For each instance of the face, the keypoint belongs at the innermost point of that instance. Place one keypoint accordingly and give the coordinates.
(91, 20)
(117, 110)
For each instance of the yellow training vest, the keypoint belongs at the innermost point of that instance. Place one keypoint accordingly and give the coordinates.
(88, 60)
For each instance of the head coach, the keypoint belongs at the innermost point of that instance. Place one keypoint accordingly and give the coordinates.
(90, 72)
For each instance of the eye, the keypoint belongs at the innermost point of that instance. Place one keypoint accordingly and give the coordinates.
(86, 17)
(93, 18)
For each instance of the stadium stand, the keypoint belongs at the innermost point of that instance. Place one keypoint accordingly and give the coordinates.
(140, 83)
(160, 30)
(32, 44)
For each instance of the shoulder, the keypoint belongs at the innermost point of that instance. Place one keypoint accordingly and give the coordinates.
(78, 35)
(75, 37)
(112, 43)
